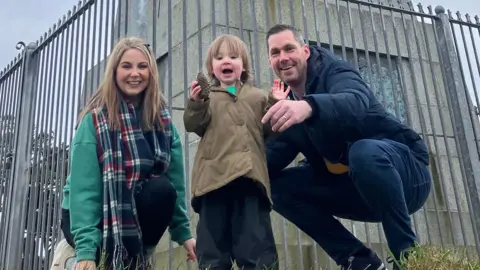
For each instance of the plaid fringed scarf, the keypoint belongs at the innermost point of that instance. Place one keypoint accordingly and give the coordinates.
(121, 154)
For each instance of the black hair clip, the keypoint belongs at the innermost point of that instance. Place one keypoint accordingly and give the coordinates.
(147, 45)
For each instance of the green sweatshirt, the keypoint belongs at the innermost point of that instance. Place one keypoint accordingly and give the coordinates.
(83, 192)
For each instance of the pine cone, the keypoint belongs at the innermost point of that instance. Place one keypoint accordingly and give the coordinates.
(204, 86)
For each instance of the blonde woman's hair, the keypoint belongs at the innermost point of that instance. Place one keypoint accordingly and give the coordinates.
(234, 45)
(110, 96)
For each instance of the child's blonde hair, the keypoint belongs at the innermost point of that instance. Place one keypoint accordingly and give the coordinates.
(236, 45)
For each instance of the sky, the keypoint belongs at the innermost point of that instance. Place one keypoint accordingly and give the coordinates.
(27, 20)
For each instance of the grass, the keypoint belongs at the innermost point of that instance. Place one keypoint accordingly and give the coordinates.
(420, 258)
(435, 258)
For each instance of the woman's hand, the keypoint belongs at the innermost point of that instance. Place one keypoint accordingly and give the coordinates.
(86, 265)
(190, 247)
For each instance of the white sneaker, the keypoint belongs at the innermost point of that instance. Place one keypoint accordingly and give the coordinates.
(63, 257)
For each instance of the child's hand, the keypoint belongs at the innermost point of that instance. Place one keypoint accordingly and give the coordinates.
(278, 91)
(195, 91)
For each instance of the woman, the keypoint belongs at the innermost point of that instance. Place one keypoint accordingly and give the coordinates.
(126, 182)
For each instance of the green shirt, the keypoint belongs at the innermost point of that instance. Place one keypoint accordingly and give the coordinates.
(83, 192)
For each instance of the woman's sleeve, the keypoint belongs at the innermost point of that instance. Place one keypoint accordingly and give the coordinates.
(85, 191)
(180, 225)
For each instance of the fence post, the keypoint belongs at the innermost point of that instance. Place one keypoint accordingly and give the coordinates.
(20, 174)
(462, 121)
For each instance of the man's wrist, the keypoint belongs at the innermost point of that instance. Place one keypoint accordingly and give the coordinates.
(310, 105)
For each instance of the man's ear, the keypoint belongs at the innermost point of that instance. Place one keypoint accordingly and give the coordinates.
(306, 50)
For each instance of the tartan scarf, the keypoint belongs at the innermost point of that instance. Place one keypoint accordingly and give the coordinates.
(121, 154)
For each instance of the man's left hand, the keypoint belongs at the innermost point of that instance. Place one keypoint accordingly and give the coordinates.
(286, 113)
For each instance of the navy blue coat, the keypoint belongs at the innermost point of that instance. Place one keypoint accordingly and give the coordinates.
(345, 110)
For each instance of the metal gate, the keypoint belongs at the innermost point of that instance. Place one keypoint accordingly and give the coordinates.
(423, 65)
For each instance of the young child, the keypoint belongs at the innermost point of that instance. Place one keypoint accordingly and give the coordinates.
(230, 184)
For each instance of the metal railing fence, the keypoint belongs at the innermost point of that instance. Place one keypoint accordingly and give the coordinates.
(423, 65)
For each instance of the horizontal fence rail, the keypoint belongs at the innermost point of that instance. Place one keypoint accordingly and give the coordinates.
(422, 64)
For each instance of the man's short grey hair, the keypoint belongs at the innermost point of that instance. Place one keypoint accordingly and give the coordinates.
(278, 28)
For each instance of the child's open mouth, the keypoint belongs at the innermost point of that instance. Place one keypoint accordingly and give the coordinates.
(227, 71)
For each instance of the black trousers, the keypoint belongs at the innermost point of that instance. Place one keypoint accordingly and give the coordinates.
(235, 225)
(155, 203)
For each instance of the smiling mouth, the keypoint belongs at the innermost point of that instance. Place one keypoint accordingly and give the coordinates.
(286, 68)
(134, 82)
(227, 71)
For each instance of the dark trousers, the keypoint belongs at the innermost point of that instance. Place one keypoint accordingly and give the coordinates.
(155, 205)
(235, 225)
(385, 184)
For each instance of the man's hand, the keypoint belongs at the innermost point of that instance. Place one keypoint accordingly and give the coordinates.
(286, 113)
(190, 247)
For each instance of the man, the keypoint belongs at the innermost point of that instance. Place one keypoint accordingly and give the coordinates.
(361, 163)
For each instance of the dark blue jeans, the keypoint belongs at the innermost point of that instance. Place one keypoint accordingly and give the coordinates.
(385, 184)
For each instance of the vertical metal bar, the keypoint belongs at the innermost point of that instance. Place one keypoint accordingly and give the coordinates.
(127, 9)
(329, 27)
(154, 26)
(285, 243)
(227, 16)
(214, 23)
(108, 29)
(315, 18)
(267, 25)
(22, 159)
(92, 58)
(88, 64)
(170, 100)
(462, 121)
(186, 139)
(240, 15)
(352, 35)
(255, 45)
(31, 228)
(279, 11)
(3, 171)
(292, 16)
(119, 20)
(342, 38)
(199, 34)
(100, 36)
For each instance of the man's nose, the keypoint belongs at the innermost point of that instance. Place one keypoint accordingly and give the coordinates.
(283, 56)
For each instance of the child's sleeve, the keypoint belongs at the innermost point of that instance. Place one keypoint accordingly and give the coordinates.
(196, 116)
